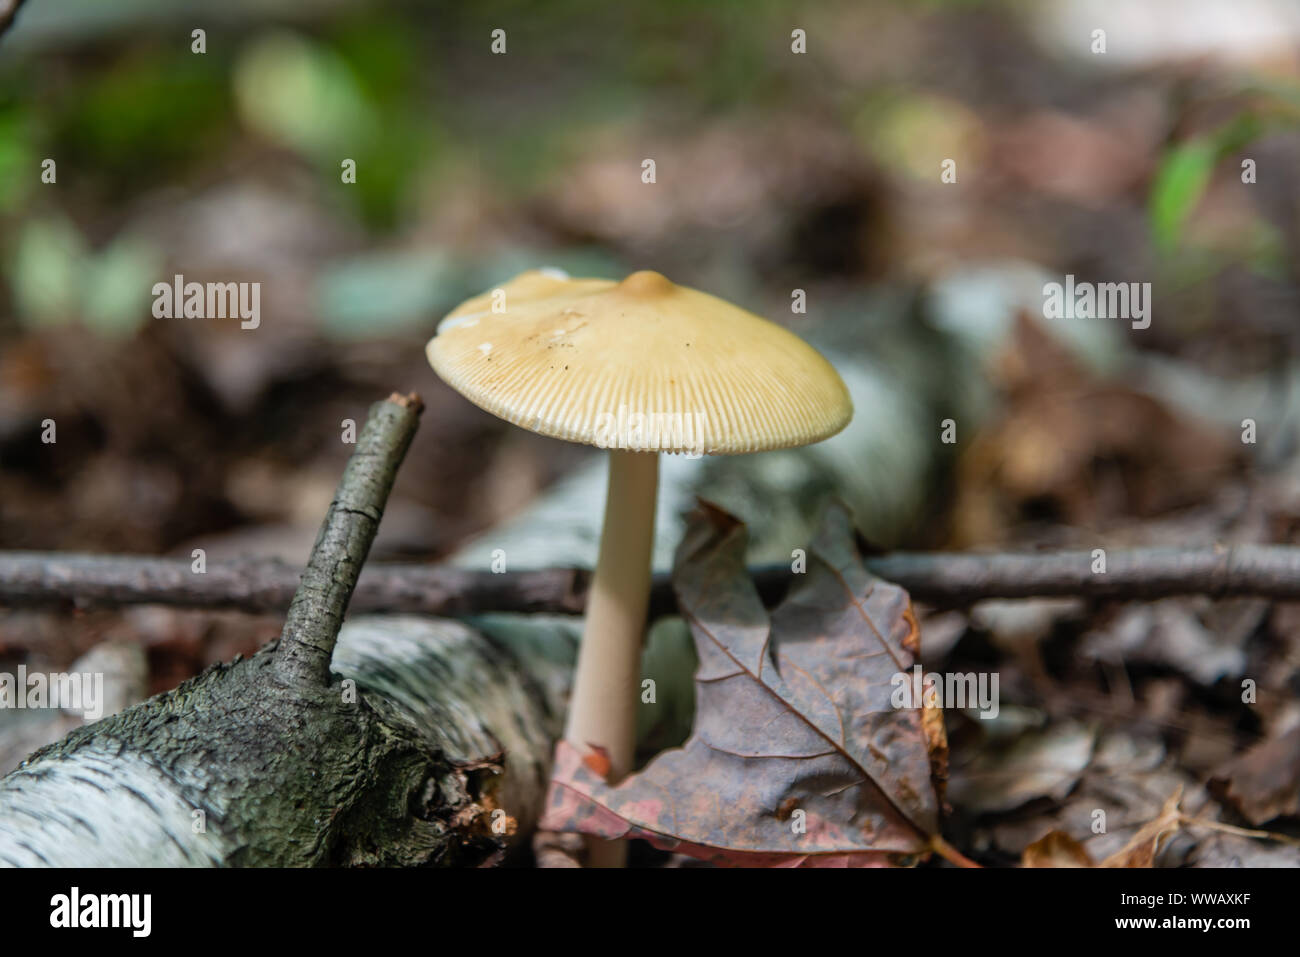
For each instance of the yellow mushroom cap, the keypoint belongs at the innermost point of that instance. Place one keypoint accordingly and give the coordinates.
(642, 364)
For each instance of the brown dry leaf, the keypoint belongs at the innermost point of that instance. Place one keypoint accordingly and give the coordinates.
(1056, 849)
(1264, 782)
(797, 756)
(1128, 778)
(1140, 851)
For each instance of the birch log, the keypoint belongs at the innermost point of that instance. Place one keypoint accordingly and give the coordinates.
(442, 757)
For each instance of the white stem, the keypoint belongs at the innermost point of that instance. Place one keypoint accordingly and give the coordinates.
(606, 688)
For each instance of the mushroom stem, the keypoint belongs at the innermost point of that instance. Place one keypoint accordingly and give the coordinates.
(606, 688)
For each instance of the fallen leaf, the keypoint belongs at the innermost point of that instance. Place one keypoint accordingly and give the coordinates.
(1264, 782)
(1127, 780)
(797, 756)
(1167, 632)
(1056, 849)
(1038, 764)
(1140, 851)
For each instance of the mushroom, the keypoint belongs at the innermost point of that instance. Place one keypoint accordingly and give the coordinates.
(638, 367)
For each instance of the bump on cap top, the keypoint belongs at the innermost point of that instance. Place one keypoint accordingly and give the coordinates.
(640, 364)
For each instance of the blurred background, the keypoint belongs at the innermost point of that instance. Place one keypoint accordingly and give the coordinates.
(775, 171)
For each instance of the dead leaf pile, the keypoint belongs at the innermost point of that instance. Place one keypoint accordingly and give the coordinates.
(1072, 449)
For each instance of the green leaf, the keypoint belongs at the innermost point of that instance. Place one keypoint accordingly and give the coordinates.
(1180, 182)
(1185, 173)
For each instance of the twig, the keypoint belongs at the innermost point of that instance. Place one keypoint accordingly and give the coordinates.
(35, 578)
(316, 612)
(1266, 571)
(260, 585)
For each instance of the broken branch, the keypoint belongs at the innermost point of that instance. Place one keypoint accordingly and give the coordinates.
(943, 579)
(320, 601)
